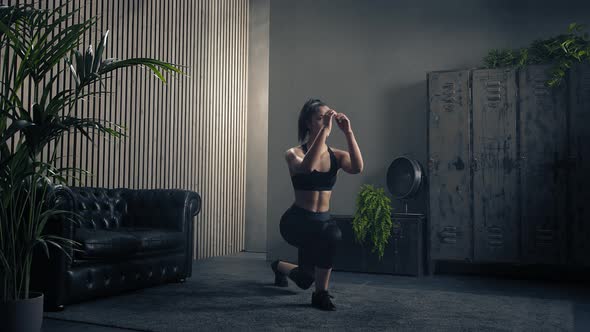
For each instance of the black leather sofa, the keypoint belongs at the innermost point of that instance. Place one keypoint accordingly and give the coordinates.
(129, 239)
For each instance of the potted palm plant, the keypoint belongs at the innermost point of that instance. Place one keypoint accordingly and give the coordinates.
(33, 45)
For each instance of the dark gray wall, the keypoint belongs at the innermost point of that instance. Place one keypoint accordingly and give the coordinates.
(369, 59)
(257, 146)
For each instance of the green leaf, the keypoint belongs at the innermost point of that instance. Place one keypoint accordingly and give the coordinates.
(14, 128)
(80, 65)
(117, 64)
(48, 88)
(44, 245)
(99, 49)
(73, 70)
(571, 27)
(88, 60)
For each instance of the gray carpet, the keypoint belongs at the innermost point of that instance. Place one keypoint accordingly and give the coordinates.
(242, 298)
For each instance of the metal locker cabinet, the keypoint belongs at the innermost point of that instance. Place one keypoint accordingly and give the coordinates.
(543, 150)
(580, 156)
(495, 174)
(450, 225)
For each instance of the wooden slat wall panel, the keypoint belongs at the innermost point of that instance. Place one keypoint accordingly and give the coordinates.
(187, 134)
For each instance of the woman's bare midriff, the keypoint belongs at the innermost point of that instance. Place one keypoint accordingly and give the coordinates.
(316, 201)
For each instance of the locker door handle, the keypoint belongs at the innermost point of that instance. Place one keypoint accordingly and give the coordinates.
(521, 161)
(431, 164)
(474, 164)
(573, 161)
(566, 163)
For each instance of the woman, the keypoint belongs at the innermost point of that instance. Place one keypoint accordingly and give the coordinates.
(307, 225)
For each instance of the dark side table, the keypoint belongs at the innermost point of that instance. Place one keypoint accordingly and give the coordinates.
(404, 254)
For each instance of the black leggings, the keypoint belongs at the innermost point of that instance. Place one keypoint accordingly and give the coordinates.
(315, 235)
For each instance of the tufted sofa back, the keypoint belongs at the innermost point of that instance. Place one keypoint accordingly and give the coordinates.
(100, 208)
(155, 207)
(110, 209)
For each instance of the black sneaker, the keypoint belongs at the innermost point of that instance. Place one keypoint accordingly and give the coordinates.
(321, 300)
(280, 278)
(302, 278)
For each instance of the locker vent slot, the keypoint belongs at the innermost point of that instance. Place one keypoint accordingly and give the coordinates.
(540, 90)
(448, 235)
(545, 237)
(495, 236)
(451, 96)
(494, 93)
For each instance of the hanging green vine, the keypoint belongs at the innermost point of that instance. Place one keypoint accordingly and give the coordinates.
(561, 51)
(372, 219)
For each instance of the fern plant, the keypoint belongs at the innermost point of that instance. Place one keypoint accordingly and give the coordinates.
(372, 219)
(561, 51)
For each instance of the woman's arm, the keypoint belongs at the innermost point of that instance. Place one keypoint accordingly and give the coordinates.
(312, 157)
(352, 162)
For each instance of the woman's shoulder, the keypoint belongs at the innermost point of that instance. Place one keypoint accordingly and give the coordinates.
(337, 152)
(295, 148)
(294, 151)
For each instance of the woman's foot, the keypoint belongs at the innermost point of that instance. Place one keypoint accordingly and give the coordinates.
(280, 278)
(302, 278)
(321, 300)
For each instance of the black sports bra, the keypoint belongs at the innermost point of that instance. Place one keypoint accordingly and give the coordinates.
(317, 180)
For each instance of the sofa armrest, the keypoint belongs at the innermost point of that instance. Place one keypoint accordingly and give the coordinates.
(47, 273)
(62, 198)
(161, 208)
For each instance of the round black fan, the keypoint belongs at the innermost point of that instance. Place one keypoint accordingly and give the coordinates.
(404, 178)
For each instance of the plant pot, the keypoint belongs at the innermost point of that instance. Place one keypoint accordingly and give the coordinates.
(22, 315)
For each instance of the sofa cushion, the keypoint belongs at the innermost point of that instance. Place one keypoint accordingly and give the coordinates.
(98, 243)
(154, 239)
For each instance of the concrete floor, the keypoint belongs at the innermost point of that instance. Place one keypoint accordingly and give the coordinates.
(576, 292)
